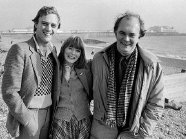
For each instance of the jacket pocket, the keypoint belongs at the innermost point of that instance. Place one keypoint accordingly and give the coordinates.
(12, 126)
(32, 126)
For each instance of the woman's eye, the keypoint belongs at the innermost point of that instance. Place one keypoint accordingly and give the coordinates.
(70, 48)
(44, 24)
(77, 50)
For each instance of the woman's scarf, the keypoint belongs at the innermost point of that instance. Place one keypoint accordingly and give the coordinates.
(117, 109)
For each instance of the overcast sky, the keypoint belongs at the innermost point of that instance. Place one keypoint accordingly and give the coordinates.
(94, 14)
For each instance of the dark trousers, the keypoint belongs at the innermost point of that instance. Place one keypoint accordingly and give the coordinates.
(101, 131)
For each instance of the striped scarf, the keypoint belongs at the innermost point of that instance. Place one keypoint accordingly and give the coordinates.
(118, 111)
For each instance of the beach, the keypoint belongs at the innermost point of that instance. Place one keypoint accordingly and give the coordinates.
(170, 126)
(169, 65)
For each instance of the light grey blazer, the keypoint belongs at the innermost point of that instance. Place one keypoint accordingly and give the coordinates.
(22, 75)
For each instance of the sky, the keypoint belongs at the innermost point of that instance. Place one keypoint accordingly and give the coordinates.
(90, 15)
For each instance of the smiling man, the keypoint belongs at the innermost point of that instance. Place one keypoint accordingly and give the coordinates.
(127, 85)
(30, 82)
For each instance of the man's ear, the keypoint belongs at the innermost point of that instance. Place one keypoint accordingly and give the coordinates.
(139, 35)
(35, 25)
(59, 25)
(115, 33)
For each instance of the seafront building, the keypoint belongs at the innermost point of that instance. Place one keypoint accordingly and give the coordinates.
(162, 29)
(152, 31)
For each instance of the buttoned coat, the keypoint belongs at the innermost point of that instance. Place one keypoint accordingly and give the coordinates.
(22, 75)
(148, 100)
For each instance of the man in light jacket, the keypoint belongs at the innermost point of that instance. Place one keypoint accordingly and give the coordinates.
(127, 85)
(30, 80)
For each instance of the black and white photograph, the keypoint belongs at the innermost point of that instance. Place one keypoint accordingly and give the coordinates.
(93, 69)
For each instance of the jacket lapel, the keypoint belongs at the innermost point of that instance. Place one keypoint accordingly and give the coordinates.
(35, 60)
(82, 77)
(54, 53)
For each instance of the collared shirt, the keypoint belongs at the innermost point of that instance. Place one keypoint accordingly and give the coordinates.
(42, 95)
(49, 48)
(120, 67)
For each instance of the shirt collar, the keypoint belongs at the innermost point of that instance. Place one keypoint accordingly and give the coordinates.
(50, 47)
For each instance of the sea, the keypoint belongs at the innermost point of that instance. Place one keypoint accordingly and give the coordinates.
(167, 46)
(164, 46)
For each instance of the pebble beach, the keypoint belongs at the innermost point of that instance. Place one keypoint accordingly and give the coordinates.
(171, 125)
(170, 65)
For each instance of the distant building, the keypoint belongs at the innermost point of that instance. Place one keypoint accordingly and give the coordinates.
(21, 30)
(162, 29)
(26, 30)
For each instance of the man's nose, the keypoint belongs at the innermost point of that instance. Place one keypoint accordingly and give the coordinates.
(126, 38)
(48, 27)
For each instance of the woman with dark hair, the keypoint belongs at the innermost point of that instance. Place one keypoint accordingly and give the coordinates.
(71, 119)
